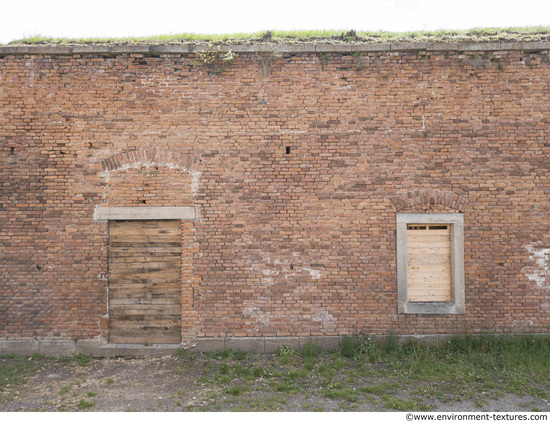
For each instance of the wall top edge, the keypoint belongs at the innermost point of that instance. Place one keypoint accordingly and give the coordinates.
(158, 49)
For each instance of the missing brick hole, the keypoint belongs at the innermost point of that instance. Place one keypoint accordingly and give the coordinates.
(12, 151)
(287, 150)
(144, 201)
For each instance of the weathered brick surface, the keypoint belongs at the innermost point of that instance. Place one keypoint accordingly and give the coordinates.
(294, 245)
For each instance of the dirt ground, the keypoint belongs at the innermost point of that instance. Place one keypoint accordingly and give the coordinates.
(172, 384)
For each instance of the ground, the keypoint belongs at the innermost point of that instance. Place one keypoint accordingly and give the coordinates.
(287, 381)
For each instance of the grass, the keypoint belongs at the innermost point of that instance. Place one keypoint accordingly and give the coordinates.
(84, 405)
(361, 374)
(534, 33)
(65, 389)
(393, 377)
(14, 373)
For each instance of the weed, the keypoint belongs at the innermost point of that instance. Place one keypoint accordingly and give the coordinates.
(109, 381)
(490, 384)
(62, 360)
(359, 60)
(224, 369)
(242, 355)
(225, 379)
(362, 371)
(391, 345)
(82, 359)
(280, 399)
(394, 403)
(323, 59)
(84, 405)
(92, 394)
(380, 389)
(356, 347)
(309, 363)
(181, 353)
(242, 371)
(339, 364)
(479, 403)
(65, 389)
(289, 386)
(326, 370)
(311, 349)
(258, 372)
(234, 390)
(215, 59)
(210, 395)
(285, 351)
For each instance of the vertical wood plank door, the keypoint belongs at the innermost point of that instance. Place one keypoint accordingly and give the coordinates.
(429, 263)
(145, 282)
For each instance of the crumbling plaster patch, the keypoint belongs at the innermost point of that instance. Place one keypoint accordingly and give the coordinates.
(278, 270)
(541, 273)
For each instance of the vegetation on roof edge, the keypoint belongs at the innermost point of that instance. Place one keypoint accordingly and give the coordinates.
(512, 34)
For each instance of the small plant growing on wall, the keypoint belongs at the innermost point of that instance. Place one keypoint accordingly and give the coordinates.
(266, 59)
(323, 59)
(359, 60)
(215, 59)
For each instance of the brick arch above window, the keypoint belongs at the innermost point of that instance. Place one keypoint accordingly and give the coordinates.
(169, 158)
(409, 199)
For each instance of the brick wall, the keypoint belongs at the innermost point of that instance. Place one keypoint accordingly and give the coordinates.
(296, 171)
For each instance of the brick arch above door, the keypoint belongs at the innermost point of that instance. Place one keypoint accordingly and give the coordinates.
(410, 199)
(150, 157)
(150, 178)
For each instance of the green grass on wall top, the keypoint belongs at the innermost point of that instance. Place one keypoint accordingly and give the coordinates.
(513, 34)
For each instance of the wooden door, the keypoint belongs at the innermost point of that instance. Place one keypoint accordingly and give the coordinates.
(429, 263)
(145, 282)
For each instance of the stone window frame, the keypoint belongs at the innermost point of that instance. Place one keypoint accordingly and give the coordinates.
(104, 214)
(457, 304)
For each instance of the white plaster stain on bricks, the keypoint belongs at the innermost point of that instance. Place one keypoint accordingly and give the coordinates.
(541, 273)
(270, 268)
(287, 271)
(321, 315)
(195, 181)
(256, 313)
(315, 274)
(106, 175)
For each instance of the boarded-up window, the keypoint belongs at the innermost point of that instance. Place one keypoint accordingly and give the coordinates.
(145, 281)
(429, 263)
